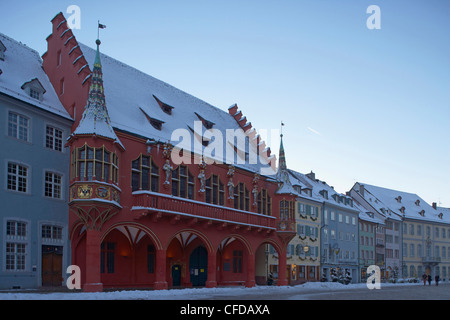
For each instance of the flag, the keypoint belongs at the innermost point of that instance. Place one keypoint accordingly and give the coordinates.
(101, 26)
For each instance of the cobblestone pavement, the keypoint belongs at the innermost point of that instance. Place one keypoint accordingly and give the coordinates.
(419, 292)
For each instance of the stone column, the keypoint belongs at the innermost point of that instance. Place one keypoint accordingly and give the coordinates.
(93, 252)
(161, 282)
(211, 281)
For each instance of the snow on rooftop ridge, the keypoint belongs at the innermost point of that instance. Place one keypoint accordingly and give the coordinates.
(317, 187)
(401, 203)
(21, 65)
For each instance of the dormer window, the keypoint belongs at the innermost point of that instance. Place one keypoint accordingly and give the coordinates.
(208, 124)
(402, 210)
(34, 89)
(324, 193)
(34, 94)
(417, 202)
(399, 199)
(422, 213)
(157, 124)
(2, 51)
(164, 106)
(440, 215)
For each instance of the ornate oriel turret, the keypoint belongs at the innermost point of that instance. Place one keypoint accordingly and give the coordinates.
(286, 222)
(94, 191)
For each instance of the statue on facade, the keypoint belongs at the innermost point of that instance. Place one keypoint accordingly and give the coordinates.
(168, 170)
(230, 183)
(202, 176)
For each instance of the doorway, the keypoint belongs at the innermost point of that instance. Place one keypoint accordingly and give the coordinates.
(52, 266)
(198, 266)
(176, 275)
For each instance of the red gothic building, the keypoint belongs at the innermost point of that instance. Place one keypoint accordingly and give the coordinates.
(137, 216)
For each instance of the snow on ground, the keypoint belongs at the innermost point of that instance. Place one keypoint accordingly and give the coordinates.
(189, 294)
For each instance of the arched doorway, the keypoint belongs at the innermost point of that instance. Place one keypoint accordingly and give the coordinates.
(198, 266)
(188, 249)
(266, 264)
(128, 256)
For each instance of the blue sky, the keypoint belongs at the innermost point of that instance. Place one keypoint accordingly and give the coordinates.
(358, 104)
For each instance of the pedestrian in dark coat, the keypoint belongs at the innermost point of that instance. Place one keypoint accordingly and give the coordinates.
(436, 278)
(424, 277)
(429, 279)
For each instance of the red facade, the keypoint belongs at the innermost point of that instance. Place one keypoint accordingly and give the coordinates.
(131, 226)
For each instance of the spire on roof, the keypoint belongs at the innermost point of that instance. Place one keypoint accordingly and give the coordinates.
(95, 119)
(285, 185)
(281, 156)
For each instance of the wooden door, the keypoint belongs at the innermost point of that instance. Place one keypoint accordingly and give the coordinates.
(51, 266)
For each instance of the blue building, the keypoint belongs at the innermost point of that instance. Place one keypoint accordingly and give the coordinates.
(338, 230)
(34, 172)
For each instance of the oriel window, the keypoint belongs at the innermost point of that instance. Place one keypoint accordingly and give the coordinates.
(95, 164)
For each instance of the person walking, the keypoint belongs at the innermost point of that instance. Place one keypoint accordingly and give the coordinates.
(436, 278)
(429, 279)
(424, 277)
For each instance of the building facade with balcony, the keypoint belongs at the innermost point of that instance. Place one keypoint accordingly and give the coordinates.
(160, 195)
(34, 172)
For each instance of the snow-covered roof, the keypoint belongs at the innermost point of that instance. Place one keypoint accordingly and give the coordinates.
(397, 204)
(143, 105)
(365, 214)
(330, 196)
(21, 66)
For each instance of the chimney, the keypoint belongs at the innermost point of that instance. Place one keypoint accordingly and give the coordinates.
(311, 175)
(434, 204)
(361, 190)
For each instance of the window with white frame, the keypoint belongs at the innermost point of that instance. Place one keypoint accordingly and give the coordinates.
(15, 253)
(17, 179)
(51, 232)
(52, 185)
(53, 138)
(18, 126)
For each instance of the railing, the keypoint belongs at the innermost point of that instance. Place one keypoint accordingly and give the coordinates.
(150, 201)
(429, 259)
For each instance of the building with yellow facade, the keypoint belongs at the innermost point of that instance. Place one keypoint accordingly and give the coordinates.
(425, 230)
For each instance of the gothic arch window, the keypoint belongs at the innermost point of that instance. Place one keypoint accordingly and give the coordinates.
(183, 184)
(144, 174)
(215, 190)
